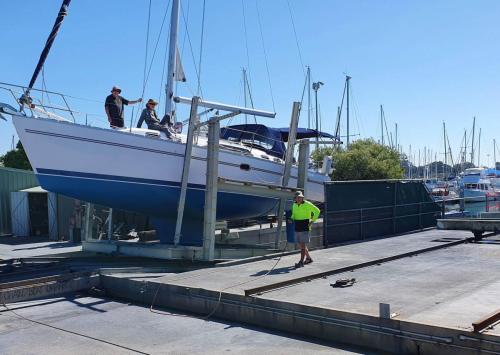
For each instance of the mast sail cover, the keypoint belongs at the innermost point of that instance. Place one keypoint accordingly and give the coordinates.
(63, 11)
(179, 71)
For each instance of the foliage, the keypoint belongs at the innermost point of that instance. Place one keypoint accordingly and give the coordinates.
(363, 160)
(16, 158)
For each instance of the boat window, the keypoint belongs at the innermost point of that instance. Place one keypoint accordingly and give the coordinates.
(245, 167)
(258, 143)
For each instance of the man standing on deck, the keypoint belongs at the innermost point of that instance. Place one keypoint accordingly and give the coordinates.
(114, 107)
(304, 213)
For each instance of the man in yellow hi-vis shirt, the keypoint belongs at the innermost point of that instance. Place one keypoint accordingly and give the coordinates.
(304, 213)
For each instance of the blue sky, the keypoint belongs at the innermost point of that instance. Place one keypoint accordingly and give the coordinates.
(425, 61)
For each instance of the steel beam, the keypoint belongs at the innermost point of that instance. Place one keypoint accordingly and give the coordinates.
(185, 169)
(292, 137)
(210, 210)
(89, 211)
(303, 164)
(225, 107)
(485, 322)
(260, 190)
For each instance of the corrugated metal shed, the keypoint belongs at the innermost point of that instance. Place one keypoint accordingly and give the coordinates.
(12, 180)
(20, 216)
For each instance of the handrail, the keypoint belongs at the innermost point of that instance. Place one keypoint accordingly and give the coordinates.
(24, 88)
(440, 204)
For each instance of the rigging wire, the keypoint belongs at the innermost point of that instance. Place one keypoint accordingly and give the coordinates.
(181, 56)
(152, 58)
(296, 37)
(356, 112)
(164, 69)
(337, 129)
(192, 52)
(44, 87)
(265, 55)
(246, 38)
(147, 45)
(201, 47)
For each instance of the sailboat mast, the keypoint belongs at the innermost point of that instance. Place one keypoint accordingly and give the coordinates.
(348, 78)
(479, 150)
(396, 141)
(245, 92)
(337, 124)
(63, 11)
(382, 123)
(473, 134)
(465, 146)
(172, 57)
(445, 155)
(309, 97)
(495, 152)
(317, 115)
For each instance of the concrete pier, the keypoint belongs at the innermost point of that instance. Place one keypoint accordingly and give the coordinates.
(435, 282)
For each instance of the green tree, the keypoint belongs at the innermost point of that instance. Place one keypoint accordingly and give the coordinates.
(16, 158)
(364, 160)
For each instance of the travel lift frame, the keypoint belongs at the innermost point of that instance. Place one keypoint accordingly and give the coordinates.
(214, 183)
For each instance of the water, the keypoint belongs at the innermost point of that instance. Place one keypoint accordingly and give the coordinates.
(473, 209)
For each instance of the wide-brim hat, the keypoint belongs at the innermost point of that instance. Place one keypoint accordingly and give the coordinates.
(299, 194)
(151, 102)
(116, 88)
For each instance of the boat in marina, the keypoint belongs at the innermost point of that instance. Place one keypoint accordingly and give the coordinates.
(494, 176)
(141, 170)
(444, 190)
(475, 186)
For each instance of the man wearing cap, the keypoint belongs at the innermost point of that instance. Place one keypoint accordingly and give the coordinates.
(149, 116)
(304, 213)
(114, 107)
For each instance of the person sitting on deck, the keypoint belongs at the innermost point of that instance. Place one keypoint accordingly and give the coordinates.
(149, 116)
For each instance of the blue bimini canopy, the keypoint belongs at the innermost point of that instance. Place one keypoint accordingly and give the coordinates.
(492, 173)
(303, 133)
(271, 140)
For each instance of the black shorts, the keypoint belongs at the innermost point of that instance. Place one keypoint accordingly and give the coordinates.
(117, 122)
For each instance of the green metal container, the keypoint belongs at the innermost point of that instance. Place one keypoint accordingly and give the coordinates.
(12, 180)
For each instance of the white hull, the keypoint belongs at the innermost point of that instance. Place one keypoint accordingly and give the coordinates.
(54, 146)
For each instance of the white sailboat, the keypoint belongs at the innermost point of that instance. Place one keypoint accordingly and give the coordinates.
(141, 170)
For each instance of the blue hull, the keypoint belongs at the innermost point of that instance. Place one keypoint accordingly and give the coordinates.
(158, 199)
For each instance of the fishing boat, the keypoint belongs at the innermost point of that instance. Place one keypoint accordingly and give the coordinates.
(140, 170)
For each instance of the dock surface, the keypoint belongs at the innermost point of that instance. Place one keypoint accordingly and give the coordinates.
(436, 283)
